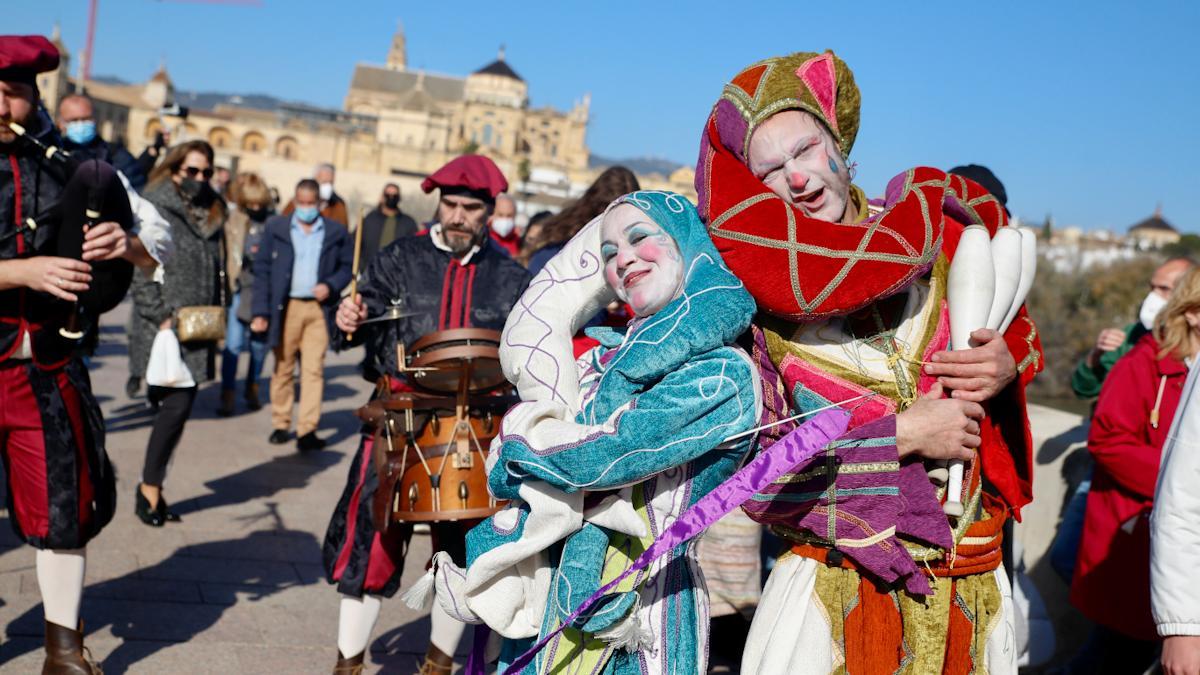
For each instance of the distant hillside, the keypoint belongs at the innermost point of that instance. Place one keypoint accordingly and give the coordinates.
(207, 100)
(641, 165)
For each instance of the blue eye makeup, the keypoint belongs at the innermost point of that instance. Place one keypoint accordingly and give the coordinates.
(639, 233)
(607, 251)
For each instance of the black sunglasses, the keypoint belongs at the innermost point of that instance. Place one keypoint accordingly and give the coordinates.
(192, 172)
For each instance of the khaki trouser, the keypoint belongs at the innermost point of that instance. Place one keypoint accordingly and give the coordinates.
(304, 334)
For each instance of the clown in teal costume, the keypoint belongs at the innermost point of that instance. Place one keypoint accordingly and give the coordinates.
(593, 484)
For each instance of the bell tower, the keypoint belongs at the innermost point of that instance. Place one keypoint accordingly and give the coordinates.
(397, 58)
(55, 84)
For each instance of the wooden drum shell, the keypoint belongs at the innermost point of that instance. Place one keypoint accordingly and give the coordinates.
(462, 492)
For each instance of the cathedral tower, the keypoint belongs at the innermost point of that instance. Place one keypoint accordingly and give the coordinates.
(397, 58)
(54, 85)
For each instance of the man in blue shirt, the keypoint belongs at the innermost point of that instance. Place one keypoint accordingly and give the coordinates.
(306, 263)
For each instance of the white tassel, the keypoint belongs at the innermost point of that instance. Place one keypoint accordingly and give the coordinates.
(420, 596)
(628, 634)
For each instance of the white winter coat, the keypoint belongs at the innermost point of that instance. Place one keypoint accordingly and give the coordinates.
(1175, 523)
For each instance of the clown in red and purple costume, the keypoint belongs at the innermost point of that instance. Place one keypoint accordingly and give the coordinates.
(852, 301)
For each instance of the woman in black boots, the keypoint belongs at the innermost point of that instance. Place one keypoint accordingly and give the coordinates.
(180, 191)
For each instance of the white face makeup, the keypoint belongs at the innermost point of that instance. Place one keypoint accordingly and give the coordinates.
(795, 156)
(642, 263)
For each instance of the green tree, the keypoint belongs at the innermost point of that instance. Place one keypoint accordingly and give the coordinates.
(1071, 307)
(1188, 245)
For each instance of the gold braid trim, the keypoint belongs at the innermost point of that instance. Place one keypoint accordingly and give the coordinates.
(1033, 357)
(848, 469)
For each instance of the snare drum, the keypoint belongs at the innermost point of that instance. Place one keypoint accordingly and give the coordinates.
(430, 456)
(431, 463)
(440, 361)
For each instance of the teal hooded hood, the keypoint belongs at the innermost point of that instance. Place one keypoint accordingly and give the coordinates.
(712, 309)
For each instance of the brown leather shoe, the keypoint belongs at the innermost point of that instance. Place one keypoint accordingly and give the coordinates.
(437, 662)
(349, 666)
(65, 653)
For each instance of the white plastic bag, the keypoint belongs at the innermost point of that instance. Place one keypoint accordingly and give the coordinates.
(166, 367)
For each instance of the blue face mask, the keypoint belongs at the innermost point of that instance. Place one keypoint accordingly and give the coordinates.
(81, 132)
(307, 214)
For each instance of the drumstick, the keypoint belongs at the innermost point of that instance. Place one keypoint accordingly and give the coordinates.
(357, 257)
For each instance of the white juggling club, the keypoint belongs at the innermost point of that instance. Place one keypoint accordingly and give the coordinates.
(1028, 271)
(1006, 264)
(970, 290)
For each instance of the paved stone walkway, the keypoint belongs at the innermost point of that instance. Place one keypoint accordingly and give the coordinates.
(238, 586)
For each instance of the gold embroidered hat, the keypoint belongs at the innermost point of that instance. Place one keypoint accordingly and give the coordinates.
(817, 83)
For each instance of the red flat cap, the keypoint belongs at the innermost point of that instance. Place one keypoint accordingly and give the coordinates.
(474, 174)
(22, 57)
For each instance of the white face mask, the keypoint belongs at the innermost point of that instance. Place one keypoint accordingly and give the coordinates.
(503, 226)
(1151, 306)
(325, 190)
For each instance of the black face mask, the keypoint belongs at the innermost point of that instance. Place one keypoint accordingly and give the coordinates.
(259, 214)
(192, 189)
(392, 201)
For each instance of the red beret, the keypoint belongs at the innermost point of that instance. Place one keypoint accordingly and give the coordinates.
(474, 174)
(24, 56)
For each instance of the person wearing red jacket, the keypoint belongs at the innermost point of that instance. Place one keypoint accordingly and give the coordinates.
(1111, 584)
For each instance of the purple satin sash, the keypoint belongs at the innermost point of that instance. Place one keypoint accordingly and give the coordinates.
(477, 660)
(797, 447)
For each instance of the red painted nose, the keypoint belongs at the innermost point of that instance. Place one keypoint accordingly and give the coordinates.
(797, 181)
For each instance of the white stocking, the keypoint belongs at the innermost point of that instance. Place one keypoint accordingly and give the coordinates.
(356, 620)
(445, 632)
(60, 577)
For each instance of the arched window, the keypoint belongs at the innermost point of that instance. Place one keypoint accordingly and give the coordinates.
(487, 134)
(254, 142)
(287, 148)
(220, 137)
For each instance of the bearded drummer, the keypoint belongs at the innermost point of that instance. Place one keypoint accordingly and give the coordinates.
(451, 278)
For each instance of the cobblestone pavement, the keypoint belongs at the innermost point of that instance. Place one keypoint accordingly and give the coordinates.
(237, 586)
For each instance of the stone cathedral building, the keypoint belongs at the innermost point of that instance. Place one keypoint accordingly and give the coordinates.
(396, 123)
(488, 109)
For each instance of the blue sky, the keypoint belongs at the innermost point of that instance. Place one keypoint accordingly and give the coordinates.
(1085, 110)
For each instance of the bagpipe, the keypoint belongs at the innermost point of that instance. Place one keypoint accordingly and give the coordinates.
(92, 193)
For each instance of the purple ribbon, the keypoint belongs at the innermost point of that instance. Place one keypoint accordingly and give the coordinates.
(477, 660)
(797, 447)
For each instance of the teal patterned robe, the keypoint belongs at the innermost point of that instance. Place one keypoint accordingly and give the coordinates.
(658, 399)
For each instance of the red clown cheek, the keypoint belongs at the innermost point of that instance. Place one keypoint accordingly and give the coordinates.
(649, 251)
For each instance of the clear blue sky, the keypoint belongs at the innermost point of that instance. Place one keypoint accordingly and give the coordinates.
(1086, 110)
